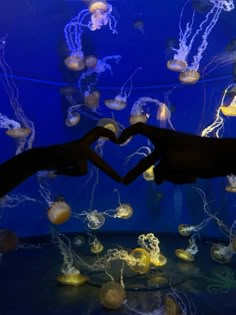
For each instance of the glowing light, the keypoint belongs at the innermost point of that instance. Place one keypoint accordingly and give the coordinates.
(24, 131)
(112, 295)
(72, 279)
(120, 100)
(151, 244)
(59, 212)
(187, 38)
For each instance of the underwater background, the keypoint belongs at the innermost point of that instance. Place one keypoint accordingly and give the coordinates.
(131, 53)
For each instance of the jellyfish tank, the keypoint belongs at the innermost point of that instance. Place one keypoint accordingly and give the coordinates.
(88, 225)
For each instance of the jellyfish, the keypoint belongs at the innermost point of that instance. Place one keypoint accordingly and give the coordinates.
(24, 131)
(8, 241)
(73, 117)
(90, 61)
(59, 212)
(91, 99)
(189, 72)
(70, 275)
(79, 240)
(139, 260)
(228, 105)
(96, 246)
(186, 230)
(148, 175)
(97, 15)
(140, 112)
(95, 220)
(89, 78)
(189, 253)
(217, 126)
(124, 210)
(151, 244)
(231, 187)
(120, 100)
(112, 295)
(139, 25)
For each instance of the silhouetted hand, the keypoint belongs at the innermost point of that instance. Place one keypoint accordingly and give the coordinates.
(70, 159)
(182, 157)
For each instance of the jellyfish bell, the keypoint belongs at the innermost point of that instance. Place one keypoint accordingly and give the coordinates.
(229, 109)
(124, 211)
(176, 65)
(72, 119)
(18, 133)
(118, 103)
(110, 124)
(148, 175)
(220, 253)
(91, 100)
(72, 279)
(189, 77)
(158, 260)
(96, 247)
(8, 241)
(78, 240)
(112, 295)
(59, 212)
(100, 5)
(90, 61)
(231, 187)
(95, 220)
(139, 260)
(184, 229)
(184, 255)
(134, 119)
(171, 306)
(75, 63)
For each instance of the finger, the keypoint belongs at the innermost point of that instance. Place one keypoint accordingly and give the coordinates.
(138, 128)
(142, 166)
(98, 132)
(101, 164)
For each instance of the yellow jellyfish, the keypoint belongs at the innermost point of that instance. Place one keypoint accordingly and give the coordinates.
(229, 110)
(8, 241)
(151, 244)
(221, 253)
(189, 253)
(176, 65)
(59, 212)
(148, 175)
(100, 5)
(185, 229)
(90, 61)
(112, 295)
(72, 279)
(189, 77)
(91, 100)
(134, 119)
(96, 246)
(138, 260)
(124, 211)
(75, 63)
(18, 133)
(231, 187)
(110, 124)
(171, 306)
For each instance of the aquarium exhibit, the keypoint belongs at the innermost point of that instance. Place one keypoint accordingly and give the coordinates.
(118, 157)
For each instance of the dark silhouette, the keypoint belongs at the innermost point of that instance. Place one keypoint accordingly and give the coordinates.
(182, 157)
(68, 159)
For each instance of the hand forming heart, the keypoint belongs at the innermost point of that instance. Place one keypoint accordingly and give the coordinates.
(178, 157)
